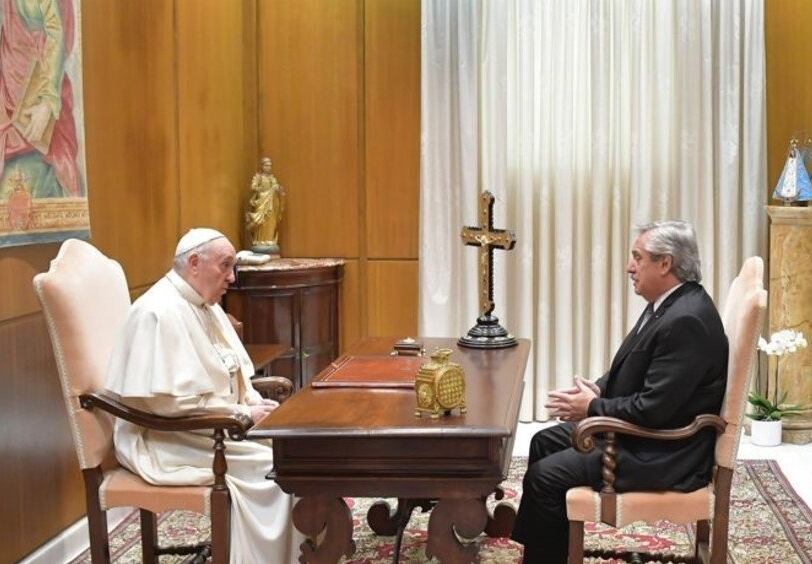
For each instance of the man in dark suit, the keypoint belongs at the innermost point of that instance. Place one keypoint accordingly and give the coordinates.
(670, 368)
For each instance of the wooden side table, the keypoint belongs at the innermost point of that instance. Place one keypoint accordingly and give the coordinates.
(294, 303)
(262, 354)
(268, 385)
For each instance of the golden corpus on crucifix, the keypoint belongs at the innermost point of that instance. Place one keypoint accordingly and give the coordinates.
(487, 333)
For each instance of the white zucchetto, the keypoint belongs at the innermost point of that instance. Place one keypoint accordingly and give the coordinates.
(195, 237)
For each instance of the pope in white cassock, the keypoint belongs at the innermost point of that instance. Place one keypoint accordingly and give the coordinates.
(179, 355)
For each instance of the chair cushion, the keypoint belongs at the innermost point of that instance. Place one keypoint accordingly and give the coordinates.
(122, 488)
(584, 504)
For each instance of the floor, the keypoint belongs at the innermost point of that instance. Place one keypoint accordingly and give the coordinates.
(795, 460)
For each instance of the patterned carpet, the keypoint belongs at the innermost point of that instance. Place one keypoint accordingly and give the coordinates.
(769, 524)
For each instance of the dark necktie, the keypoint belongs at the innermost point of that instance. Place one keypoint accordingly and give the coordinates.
(647, 313)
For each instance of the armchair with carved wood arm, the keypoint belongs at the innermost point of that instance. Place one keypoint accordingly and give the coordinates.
(85, 301)
(742, 318)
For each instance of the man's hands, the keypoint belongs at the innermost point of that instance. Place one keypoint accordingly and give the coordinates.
(571, 404)
(260, 410)
(589, 384)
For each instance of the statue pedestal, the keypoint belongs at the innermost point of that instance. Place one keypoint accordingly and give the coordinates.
(271, 250)
(790, 303)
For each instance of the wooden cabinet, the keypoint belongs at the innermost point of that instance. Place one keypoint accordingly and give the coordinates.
(293, 302)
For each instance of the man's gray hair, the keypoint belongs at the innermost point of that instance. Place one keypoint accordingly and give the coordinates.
(678, 239)
(182, 260)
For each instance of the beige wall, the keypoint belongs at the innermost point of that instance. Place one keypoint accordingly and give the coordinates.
(339, 107)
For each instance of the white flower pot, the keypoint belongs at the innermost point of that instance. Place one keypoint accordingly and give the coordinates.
(765, 433)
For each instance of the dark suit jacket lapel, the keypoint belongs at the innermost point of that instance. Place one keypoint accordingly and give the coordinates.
(627, 344)
(634, 335)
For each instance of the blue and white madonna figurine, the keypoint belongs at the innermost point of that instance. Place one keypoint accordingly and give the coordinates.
(794, 184)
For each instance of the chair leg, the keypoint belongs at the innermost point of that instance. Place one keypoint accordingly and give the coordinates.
(99, 542)
(149, 537)
(576, 544)
(721, 515)
(702, 536)
(718, 545)
(96, 517)
(220, 526)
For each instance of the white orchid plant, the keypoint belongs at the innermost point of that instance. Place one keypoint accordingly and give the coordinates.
(781, 343)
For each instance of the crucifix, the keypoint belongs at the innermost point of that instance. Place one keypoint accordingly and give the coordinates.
(487, 333)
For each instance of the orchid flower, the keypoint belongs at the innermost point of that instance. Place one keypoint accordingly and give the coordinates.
(783, 342)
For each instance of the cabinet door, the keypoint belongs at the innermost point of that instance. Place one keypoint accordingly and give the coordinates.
(319, 329)
(273, 317)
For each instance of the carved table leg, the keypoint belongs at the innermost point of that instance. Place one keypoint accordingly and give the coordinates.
(314, 515)
(500, 521)
(383, 522)
(466, 517)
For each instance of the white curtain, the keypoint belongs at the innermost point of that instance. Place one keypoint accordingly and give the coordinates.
(584, 118)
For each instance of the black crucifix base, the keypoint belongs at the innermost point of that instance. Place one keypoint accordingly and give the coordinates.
(487, 334)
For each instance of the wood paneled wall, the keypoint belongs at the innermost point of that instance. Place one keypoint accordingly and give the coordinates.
(180, 95)
(789, 83)
(309, 107)
(171, 135)
(41, 487)
(339, 107)
(217, 141)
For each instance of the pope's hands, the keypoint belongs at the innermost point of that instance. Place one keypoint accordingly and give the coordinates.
(572, 404)
(260, 410)
(256, 399)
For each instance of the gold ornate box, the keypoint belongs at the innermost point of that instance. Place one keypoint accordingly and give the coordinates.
(439, 386)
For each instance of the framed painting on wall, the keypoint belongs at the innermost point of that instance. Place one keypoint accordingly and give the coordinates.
(43, 192)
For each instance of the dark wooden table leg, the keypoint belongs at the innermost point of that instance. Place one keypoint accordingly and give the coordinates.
(466, 517)
(314, 515)
(383, 521)
(500, 521)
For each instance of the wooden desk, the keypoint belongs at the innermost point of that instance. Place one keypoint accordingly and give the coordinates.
(337, 442)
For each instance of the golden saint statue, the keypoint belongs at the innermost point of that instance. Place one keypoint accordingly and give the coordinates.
(265, 207)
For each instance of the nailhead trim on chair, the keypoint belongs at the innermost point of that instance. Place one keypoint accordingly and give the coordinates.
(752, 293)
(596, 503)
(109, 476)
(619, 507)
(743, 407)
(60, 362)
(103, 491)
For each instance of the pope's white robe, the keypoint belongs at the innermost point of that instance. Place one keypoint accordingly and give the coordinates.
(173, 358)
